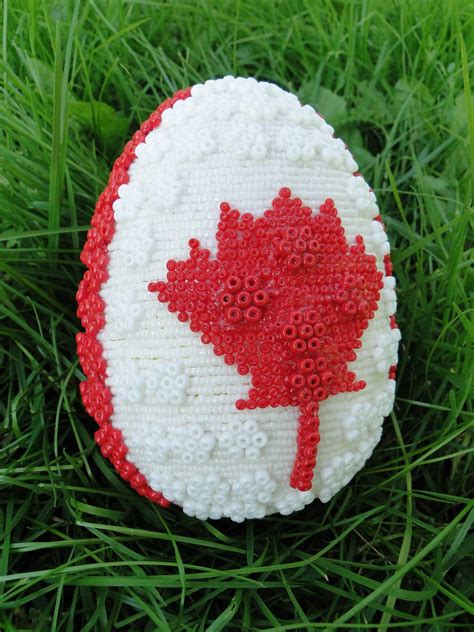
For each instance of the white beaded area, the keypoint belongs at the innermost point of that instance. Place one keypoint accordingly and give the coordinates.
(240, 141)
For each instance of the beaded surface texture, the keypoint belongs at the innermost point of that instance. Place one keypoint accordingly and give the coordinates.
(259, 379)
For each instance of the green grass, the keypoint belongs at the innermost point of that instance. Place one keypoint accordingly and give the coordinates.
(80, 551)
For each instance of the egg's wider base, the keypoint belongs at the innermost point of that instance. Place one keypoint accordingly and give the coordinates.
(240, 346)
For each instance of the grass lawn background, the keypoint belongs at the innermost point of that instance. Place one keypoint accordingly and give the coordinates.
(80, 550)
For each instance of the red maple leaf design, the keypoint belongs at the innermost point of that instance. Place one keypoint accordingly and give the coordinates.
(286, 299)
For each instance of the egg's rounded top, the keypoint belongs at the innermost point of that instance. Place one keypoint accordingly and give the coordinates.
(240, 342)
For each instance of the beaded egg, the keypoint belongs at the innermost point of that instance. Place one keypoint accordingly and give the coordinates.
(240, 342)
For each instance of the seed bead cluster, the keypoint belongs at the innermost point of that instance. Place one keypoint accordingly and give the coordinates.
(286, 299)
(208, 495)
(240, 440)
(169, 381)
(96, 395)
(187, 443)
(125, 312)
(131, 385)
(193, 443)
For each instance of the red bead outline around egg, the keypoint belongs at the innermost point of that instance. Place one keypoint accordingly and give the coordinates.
(96, 395)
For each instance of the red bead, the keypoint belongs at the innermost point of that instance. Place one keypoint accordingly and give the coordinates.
(305, 331)
(291, 233)
(327, 378)
(300, 245)
(233, 283)
(289, 332)
(305, 395)
(298, 346)
(251, 283)
(297, 380)
(320, 393)
(253, 314)
(284, 247)
(319, 330)
(297, 317)
(294, 261)
(306, 365)
(260, 298)
(311, 316)
(320, 363)
(234, 314)
(313, 380)
(309, 260)
(306, 232)
(243, 299)
(314, 246)
(226, 299)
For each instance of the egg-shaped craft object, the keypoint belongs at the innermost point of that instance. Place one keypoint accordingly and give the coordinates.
(240, 341)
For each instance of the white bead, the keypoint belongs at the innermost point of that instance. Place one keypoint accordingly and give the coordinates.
(243, 440)
(201, 455)
(258, 151)
(235, 426)
(181, 381)
(234, 452)
(226, 440)
(189, 444)
(252, 453)
(207, 442)
(173, 368)
(262, 477)
(175, 446)
(195, 431)
(259, 439)
(250, 426)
